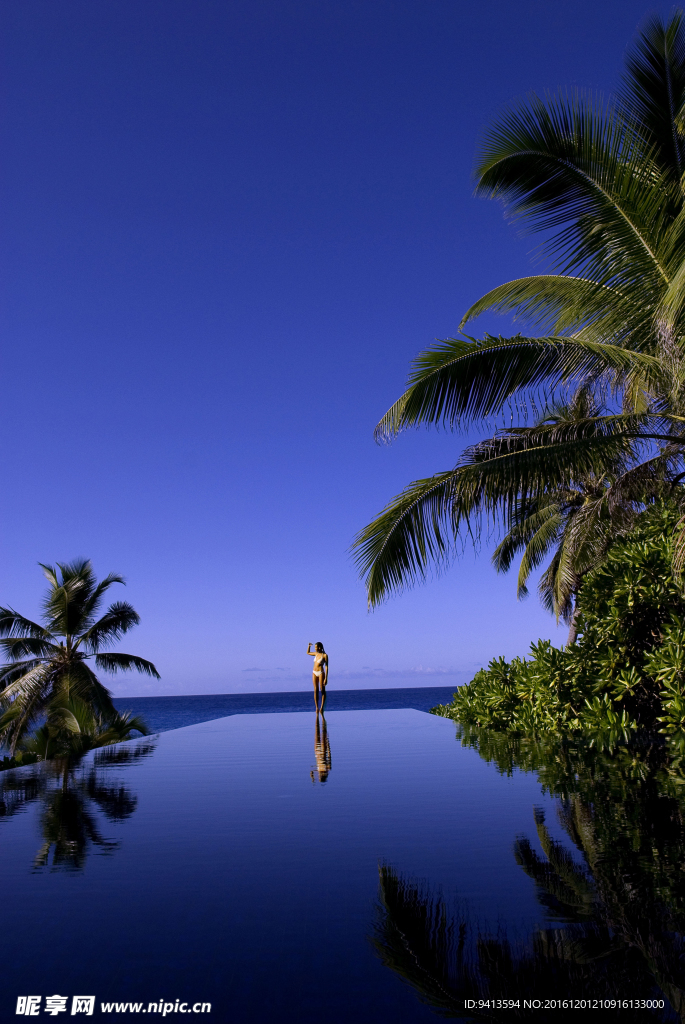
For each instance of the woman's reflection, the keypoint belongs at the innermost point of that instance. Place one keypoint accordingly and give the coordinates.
(322, 750)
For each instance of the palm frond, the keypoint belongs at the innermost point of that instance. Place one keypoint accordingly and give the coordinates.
(100, 590)
(420, 526)
(77, 680)
(525, 522)
(23, 647)
(559, 583)
(15, 670)
(672, 304)
(119, 618)
(647, 480)
(458, 381)
(120, 728)
(560, 305)
(28, 695)
(72, 585)
(34, 673)
(117, 662)
(413, 530)
(571, 164)
(510, 467)
(537, 549)
(65, 718)
(653, 89)
(12, 624)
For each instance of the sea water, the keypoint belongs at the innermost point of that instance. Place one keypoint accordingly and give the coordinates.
(163, 713)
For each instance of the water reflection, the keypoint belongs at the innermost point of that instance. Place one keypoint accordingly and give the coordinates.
(73, 796)
(614, 895)
(322, 750)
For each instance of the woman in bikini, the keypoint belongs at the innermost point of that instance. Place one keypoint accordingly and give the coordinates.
(319, 674)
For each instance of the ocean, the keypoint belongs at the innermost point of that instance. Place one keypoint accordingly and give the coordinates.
(164, 713)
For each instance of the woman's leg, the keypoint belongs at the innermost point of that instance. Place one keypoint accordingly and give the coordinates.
(318, 689)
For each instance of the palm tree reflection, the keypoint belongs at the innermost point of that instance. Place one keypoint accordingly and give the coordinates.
(322, 750)
(616, 905)
(74, 797)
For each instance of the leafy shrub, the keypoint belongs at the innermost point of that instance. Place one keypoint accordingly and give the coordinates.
(21, 757)
(627, 667)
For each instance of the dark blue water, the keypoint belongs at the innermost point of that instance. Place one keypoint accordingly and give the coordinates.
(163, 713)
(219, 868)
(364, 868)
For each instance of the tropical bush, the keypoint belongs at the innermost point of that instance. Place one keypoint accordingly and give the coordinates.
(21, 758)
(627, 667)
(80, 729)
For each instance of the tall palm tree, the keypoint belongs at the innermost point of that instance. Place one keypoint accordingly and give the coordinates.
(604, 182)
(47, 672)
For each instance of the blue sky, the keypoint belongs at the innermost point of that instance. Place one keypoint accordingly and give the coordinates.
(229, 225)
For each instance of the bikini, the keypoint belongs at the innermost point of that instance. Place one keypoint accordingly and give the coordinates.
(318, 671)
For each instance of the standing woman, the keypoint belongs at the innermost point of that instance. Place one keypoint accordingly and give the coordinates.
(319, 673)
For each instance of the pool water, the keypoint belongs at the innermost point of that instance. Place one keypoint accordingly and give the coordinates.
(265, 864)
(162, 713)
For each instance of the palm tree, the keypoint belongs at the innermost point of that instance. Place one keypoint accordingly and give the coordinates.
(47, 675)
(605, 183)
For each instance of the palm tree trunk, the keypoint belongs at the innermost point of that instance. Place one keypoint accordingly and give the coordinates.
(573, 627)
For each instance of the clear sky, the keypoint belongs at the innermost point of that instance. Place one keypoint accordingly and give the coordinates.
(228, 227)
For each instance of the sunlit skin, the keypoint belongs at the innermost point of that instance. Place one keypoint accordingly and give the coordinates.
(319, 674)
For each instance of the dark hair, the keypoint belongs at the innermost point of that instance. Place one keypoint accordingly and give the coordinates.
(319, 646)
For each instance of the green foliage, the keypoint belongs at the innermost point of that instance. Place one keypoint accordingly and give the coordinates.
(75, 728)
(47, 675)
(627, 668)
(21, 758)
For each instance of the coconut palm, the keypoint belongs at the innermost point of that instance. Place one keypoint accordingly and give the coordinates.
(603, 181)
(47, 675)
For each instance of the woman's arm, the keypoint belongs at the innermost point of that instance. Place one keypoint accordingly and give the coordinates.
(325, 665)
(313, 653)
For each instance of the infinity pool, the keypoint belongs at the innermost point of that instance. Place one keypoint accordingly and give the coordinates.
(239, 863)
